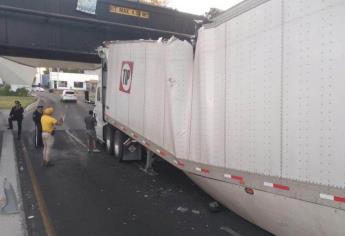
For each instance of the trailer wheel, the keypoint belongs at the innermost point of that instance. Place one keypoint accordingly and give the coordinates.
(119, 139)
(109, 140)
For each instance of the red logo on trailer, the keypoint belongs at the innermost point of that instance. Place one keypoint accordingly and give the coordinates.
(126, 76)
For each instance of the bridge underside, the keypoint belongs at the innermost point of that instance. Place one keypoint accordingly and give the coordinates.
(54, 29)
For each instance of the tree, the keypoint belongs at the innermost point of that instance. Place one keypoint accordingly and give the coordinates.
(212, 13)
(162, 3)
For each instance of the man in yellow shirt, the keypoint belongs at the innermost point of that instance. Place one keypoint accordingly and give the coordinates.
(48, 127)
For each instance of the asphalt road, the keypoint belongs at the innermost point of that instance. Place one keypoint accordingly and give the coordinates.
(94, 194)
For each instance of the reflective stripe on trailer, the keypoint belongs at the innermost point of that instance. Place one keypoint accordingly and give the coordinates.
(145, 143)
(332, 198)
(277, 186)
(228, 176)
(203, 170)
(161, 152)
(178, 163)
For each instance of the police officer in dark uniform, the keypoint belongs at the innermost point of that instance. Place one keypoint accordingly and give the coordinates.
(17, 115)
(36, 116)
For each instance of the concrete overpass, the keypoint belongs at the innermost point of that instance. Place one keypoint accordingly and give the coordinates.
(55, 30)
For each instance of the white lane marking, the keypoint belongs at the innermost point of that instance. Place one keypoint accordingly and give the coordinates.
(230, 231)
(75, 138)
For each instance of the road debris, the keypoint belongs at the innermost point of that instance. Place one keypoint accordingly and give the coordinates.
(182, 209)
(230, 231)
(214, 207)
(196, 212)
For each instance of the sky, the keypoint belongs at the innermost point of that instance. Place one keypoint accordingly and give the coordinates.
(199, 7)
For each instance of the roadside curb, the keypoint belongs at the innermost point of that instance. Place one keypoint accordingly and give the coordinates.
(11, 224)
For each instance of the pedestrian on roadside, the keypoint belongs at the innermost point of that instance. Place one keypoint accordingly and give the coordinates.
(16, 114)
(90, 123)
(36, 116)
(48, 123)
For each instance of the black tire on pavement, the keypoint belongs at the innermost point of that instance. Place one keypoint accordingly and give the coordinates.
(119, 139)
(109, 140)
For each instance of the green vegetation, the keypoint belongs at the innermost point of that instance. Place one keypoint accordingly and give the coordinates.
(6, 91)
(6, 102)
(7, 97)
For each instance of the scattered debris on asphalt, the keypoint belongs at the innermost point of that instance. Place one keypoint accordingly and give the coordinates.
(214, 207)
(229, 231)
(196, 212)
(182, 209)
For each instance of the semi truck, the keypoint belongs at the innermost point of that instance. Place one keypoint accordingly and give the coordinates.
(253, 112)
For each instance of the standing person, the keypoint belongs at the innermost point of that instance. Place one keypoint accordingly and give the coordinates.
(48, 128)
(36, 116)
(17, 115)
(90, 123)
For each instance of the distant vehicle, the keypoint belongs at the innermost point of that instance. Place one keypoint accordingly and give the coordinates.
(68, 96)
(38, 89)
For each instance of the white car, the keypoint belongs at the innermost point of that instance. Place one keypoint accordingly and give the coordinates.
(68, 96)
(38, 89)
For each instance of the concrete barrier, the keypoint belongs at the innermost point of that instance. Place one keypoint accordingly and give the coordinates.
(12, 219)
(11, 202)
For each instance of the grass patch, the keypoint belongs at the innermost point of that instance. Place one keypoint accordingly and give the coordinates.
(7, 102)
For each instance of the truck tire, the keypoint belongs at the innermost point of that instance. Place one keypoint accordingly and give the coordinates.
(109, 139)
(119, 139)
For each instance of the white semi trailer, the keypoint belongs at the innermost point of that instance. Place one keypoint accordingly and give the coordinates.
(254, 115)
